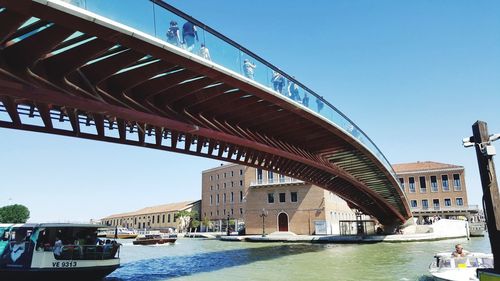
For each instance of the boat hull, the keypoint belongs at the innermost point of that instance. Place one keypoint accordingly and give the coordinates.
(154, 241)
(53, 274)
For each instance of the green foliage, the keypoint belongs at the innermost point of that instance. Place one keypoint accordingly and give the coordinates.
(14, 214)
(195, 223)
(184, 213)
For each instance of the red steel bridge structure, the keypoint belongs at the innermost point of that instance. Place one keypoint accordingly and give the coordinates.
(87, 70)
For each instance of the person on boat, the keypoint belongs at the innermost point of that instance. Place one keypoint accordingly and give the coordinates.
(58, 245)
(459, 251)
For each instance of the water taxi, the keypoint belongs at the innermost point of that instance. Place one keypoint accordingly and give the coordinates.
(121, 233)
(53, 251)
(153, 239)
(445, 267)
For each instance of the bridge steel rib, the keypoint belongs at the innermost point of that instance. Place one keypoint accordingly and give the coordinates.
(70, 67)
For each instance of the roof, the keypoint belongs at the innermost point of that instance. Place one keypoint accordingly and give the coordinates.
(423, 166)
(172, 207)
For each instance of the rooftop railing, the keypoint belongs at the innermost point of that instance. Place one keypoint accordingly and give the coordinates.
(157, 18)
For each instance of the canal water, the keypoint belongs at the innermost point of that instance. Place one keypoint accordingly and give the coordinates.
(195, 259)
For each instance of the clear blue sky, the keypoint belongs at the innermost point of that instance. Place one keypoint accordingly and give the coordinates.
(414, 75)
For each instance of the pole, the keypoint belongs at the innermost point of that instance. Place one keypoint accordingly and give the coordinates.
(491, 196)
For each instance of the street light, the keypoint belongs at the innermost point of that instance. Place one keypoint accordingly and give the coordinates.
(228, 231)
(263, 215)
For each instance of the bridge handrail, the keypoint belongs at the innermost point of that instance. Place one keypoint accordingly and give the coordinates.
(227, 53)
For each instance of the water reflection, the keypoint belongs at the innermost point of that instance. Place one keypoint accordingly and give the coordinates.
(177, 266)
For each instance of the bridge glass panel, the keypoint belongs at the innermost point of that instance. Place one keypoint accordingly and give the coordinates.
(134, 13)
(153, 17)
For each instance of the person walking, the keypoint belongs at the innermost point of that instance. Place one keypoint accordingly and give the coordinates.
(173, 34)
(248, 69)
(204, 52)
(189, 33)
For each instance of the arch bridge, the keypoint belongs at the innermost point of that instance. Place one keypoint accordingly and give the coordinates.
(94, 70)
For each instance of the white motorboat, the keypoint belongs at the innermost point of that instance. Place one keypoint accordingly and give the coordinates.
(445, 267)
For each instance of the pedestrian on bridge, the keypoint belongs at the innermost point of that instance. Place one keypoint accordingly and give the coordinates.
(189, 33)
(248, 69)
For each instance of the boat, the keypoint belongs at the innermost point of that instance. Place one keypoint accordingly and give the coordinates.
(445, 267)
(121, 233)
(477, 229)
(52, 251)
(153, 239)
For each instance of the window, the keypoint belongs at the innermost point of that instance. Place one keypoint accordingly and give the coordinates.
(217, 186)
(270, 176)
(459, 202)
(447, 202)
(423, 185)
(217, 176)
(456, 182)
(211, 214)
(217, 199)
(224, 198)
(224, 212)
(211, 187)
(232, 197)
(241, 196)
(293, 196)
(232, 212)
(211, 178)
(217, 212)
(434, 184)
(158, 219)
(241, 172)
(282, 197)
(224, 185)
(259, 176)
(232, 173)
(270, 198)
(175, 219)
(413, 203)
(211, 200)
(402, 182)
(225, 175)
(241, 211)
(425, 204)
(241, 183)
(232, 184)
(435, 204)
(411, 180)
(444, 179)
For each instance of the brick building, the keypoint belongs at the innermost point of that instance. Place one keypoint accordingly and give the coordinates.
(435, 189)
(243, 194)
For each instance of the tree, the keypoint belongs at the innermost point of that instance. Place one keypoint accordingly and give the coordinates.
(185, 219)
(14, 214)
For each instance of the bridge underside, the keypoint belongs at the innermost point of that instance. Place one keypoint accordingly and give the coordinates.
(83, 79)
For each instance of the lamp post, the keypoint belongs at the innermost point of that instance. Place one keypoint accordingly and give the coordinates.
(228, 231)
(263, 215)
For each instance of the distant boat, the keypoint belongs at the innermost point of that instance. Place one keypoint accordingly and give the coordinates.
(121, 233)
(477, 229)
(445, 267)
(55, 252)
(153, 239)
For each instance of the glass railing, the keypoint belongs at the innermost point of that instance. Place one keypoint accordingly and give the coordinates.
(171, 25)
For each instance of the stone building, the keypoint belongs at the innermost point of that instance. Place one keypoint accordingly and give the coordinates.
(243, 194)
(435, 189)
(155, 217)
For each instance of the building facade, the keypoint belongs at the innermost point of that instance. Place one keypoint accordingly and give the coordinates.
(276, 202)
(435, 189)
(155, 217)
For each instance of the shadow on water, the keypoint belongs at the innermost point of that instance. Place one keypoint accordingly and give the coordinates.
(178, 266)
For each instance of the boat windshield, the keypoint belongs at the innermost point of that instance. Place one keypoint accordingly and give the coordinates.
(465, 262)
